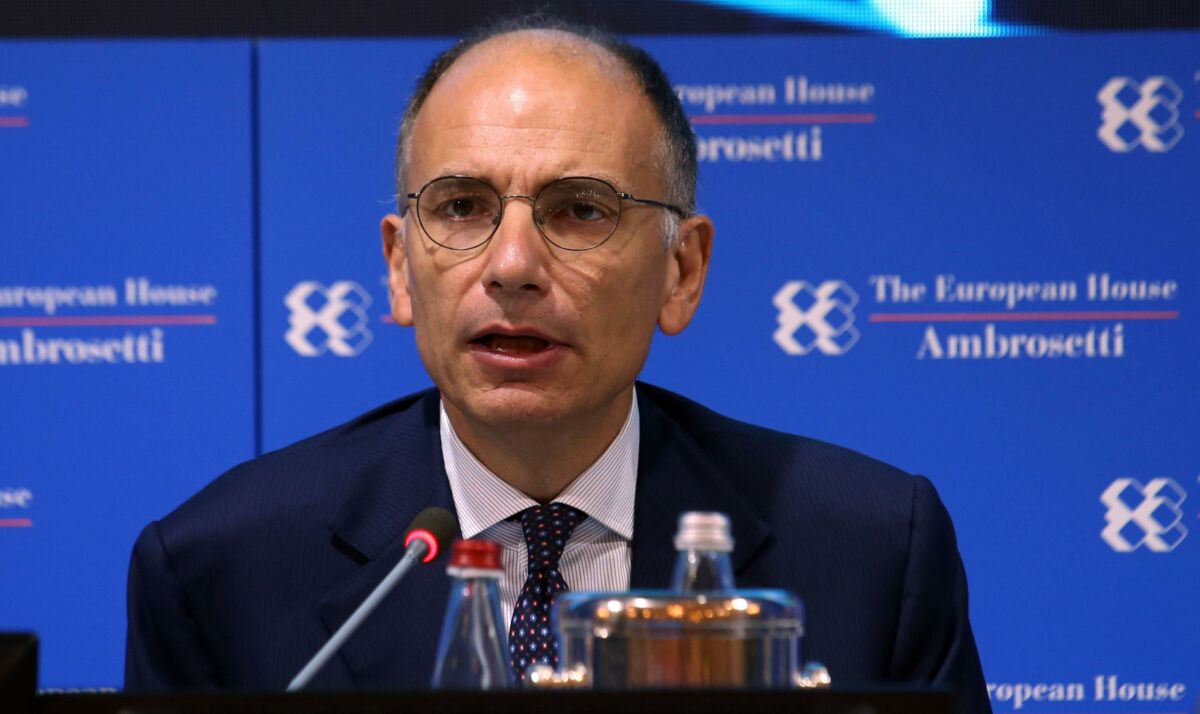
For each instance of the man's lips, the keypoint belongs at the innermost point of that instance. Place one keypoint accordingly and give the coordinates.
(514, 338)
(508, 347)
(512, 344)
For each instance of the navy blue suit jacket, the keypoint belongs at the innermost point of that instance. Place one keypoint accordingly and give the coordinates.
(240, 585)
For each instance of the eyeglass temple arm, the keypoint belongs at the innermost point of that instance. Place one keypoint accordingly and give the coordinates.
(402, 206)
(651, 202)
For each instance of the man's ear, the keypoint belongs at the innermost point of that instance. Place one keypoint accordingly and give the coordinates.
(687, 270)
(395, 252)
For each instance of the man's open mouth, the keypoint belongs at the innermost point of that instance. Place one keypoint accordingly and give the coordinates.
(511, 344)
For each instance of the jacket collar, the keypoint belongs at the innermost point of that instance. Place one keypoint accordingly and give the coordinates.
(391, 478)
(392, 475)
(675, 475)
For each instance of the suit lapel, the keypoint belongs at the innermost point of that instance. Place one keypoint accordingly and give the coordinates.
(368, 524)
(674, 476)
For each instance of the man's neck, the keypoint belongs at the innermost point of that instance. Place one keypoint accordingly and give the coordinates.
(542, 459)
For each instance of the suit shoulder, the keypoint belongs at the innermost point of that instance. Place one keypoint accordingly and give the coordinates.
(368, 426)
(296, 481)
(747, 447)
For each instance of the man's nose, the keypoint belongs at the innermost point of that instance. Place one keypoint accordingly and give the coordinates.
(517, 254)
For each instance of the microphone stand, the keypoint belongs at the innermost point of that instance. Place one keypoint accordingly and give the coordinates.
(414, 554)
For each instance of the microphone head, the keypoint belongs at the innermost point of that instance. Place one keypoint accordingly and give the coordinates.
(433, 526)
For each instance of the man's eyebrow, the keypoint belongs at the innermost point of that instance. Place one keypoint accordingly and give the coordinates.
(604, 176)
(444, 171)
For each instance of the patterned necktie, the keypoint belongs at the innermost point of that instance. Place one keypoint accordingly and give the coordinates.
(530, 637)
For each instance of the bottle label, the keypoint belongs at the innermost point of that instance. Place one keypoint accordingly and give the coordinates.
(468, 573)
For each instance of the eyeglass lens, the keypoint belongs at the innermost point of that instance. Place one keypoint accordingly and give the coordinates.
(572, 213)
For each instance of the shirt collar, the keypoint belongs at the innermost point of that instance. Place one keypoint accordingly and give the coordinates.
(605, 490)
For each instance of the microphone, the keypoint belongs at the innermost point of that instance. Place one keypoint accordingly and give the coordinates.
(422, 542)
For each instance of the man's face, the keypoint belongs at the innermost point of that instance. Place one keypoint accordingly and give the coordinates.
(518, 330)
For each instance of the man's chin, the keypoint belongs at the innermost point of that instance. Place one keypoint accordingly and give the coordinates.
(513, 404)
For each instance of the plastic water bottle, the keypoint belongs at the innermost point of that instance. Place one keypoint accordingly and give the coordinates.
(473, 653)
(704, 544)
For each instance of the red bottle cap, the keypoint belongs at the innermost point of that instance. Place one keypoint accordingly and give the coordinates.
(476, 554)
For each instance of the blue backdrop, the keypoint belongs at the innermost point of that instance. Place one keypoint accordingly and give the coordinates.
(126, 319)
(974, 259)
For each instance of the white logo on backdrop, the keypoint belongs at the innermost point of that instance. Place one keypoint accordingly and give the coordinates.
(15, 497)
(819, 318)
(332, 319)
(1143, 515)
(1145, 114)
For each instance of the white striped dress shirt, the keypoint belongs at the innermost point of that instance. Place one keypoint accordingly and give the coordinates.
(597, 556)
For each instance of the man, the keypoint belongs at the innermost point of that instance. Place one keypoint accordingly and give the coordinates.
(546, 226)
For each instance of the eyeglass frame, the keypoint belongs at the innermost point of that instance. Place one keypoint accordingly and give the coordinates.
(621, 195)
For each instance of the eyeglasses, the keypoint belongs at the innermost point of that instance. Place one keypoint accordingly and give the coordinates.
(573, 213)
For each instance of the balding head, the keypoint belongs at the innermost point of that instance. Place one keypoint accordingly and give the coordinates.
(675, 150)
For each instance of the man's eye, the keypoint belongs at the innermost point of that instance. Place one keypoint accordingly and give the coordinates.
(583, 211)
(459, 208)
(578, 210)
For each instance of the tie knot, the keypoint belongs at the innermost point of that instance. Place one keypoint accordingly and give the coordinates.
(547, 529)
